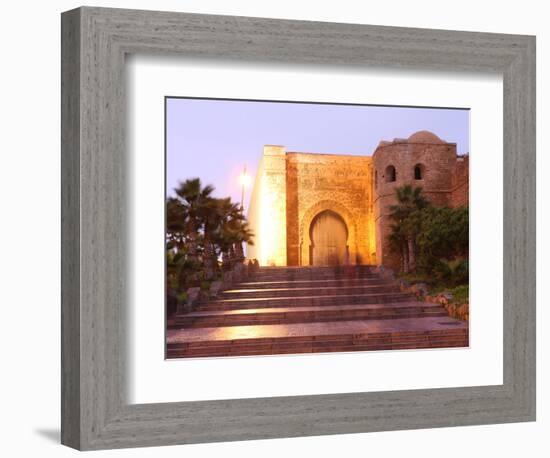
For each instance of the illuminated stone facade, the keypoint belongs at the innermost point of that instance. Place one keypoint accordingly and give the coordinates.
(292, 189)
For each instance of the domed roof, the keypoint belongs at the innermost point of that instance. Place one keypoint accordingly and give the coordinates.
(424, 136)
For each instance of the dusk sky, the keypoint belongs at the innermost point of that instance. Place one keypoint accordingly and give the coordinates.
(214, 139)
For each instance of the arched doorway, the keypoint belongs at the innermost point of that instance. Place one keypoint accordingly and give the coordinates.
(329, 240)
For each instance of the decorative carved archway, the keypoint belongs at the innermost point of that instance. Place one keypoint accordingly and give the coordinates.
(311, 213)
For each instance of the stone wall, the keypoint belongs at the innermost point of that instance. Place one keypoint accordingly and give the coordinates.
(461, 183)
(292, 188)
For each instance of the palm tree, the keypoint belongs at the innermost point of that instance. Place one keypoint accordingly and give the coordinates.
(209, 216)
(193, 197)
(176, 231)
(184, 229)
(406, 223)
(200, 229)
(232, 232)
(398, 244)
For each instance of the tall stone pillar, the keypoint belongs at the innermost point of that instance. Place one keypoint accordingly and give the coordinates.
(267, 214)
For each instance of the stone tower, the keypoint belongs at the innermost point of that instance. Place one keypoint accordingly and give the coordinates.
(267, 212)
(422, 160)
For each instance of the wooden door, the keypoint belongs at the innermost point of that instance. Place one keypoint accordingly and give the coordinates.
(329, 240)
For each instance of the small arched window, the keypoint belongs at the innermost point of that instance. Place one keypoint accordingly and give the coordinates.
(391, 174)
(418, 172)
(376, 178)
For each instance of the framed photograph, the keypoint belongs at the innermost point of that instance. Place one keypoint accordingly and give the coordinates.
(279, 228)
(298, 251)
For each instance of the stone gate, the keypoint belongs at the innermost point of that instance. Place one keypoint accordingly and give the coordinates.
(292, 189)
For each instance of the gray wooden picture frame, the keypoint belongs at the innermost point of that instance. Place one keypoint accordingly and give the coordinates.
(95, 411)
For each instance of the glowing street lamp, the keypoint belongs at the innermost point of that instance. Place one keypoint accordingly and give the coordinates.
(245, 180)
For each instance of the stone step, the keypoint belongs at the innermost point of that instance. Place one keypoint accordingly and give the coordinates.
(284, 310)
(331, 269)
(307, 301)
(317, 347)
(313, 283)
(403, 333)
(282, 315)
(305, 275)
(321, 272)
(344, 339)
(245, 293)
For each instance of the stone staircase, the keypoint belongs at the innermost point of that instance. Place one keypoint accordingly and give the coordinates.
(312, 309)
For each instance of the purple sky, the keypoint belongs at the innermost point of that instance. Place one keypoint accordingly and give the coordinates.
(214, 139)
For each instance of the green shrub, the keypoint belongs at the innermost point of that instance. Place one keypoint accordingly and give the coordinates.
(461, 272)
(461, 294)
(442, 271)
(451, 273)
(429, 239)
